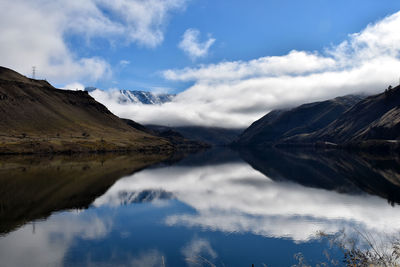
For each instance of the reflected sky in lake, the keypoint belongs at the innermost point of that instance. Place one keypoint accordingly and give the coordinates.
(208, 208)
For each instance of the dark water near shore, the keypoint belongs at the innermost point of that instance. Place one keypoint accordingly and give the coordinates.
(215, 208)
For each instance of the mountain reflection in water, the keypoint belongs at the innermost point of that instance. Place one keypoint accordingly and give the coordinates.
(34, 187)
(211, 205)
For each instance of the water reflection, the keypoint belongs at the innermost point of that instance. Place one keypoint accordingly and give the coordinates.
(234, 197)
(34, 187)
(198, 251)
(332, 170)
(46, 244)
(211, 207)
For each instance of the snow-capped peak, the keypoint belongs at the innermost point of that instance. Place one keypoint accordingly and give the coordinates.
(134, 96)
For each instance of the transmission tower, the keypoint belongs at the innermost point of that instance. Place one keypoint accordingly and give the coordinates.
(33, 72)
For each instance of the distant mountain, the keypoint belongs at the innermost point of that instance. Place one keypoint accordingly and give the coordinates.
(36, 117)
(211, 135)
(134, 97)
(144, 97)
(178, 140)
(201, 134)
(280, 124)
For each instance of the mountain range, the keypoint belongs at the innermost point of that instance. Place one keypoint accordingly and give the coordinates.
(36, 117)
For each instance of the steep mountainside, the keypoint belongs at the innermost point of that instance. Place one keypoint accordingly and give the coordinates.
(132, 97)
(375, 118)
(36, 117)
(307, 118)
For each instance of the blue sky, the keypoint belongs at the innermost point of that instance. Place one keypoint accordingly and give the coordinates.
(230, 62)
(243, 30)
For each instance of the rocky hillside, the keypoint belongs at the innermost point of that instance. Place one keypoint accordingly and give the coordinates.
(36, 117)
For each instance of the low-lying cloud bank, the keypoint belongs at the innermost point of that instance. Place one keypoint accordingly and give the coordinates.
(234, 94)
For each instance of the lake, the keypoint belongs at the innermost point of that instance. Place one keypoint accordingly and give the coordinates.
(213, 208)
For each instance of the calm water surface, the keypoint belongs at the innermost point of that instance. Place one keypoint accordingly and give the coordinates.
(215, 208)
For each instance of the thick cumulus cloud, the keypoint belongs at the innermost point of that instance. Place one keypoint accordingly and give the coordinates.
(34, 33)
(234, 94)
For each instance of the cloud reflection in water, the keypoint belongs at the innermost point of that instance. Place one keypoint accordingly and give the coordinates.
(233, 197)
(46, 243)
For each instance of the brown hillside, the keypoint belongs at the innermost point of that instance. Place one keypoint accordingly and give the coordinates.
(36, 117)
(375, 118)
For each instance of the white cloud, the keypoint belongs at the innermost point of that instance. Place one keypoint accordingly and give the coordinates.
(144, 21)
(34, 33)
(235, 93)
(192, 46)
(36, 38)
(124, 62)
(261, 67)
